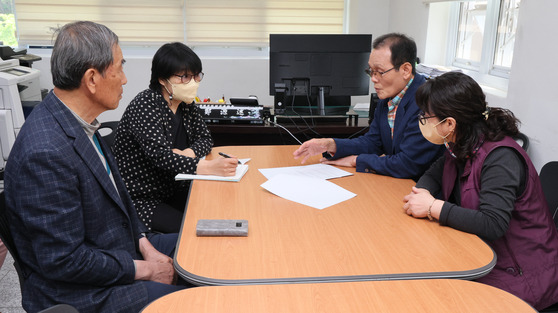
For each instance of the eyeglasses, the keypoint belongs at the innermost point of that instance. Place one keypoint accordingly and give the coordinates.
(186, 78)
(422, 119)
(376, 74)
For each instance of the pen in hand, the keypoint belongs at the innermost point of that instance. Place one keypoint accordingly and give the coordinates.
(226, 156)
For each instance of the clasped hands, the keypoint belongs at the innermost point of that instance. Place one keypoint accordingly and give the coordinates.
(419, 201)
(155, 266)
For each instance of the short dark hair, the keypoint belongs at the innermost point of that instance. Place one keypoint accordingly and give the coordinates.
(459, 96)
(170, 59)
(80, 46)
(403, 49)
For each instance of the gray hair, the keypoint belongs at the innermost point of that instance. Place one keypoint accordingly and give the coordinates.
(80, 46)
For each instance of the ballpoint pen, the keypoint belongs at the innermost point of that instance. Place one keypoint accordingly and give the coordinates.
(226, 156)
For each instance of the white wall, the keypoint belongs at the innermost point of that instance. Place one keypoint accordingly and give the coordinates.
(369, 17)
(230, 76)
(533, 78)
(437, 33)
(410, 18)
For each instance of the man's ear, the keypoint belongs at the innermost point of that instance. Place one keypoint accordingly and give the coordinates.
(407, 69)
(90, 80)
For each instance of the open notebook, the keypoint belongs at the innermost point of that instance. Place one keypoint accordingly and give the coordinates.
(240, 171)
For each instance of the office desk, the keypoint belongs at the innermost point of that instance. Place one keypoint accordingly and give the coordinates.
(432, 295)
(368, 237)
(245, 134)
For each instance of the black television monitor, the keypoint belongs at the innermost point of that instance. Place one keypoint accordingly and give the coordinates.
(318, 70)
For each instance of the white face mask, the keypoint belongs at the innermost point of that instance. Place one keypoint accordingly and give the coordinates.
(184, 92)
(431, 134)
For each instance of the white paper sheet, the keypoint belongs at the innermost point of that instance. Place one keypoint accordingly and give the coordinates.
(315, 192)
(244, 161)
(322, 171)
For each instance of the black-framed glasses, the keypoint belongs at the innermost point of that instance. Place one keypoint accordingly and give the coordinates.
(186, 78)
(376, 74)
(422, 119)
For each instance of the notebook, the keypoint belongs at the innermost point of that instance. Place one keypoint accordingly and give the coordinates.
(240, 171)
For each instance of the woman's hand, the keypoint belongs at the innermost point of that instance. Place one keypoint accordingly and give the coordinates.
(219, 167)
(419, 201)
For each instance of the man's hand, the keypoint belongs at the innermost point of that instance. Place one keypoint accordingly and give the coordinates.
(348, 161)
(314, 147)
(155, 271)
(155, 265)
(151, 254)
(219, 166)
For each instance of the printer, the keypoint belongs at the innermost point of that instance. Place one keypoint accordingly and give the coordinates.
(19, 87)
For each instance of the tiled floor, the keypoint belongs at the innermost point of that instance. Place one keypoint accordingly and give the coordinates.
(10, 294)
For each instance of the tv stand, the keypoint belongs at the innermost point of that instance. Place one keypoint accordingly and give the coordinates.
(321, 100)
(313, 116)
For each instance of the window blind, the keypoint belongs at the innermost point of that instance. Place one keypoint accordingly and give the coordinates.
(196, 22)
(249, 22)
(433, 1)
(135, 22)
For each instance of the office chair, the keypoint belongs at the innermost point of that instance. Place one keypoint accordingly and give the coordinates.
(522, 140)
(60, 308)
(373, 104)
(109, 137)
(549, 182)
(8, 240)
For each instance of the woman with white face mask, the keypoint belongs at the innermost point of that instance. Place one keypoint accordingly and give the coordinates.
(485, 184)
(162, 134)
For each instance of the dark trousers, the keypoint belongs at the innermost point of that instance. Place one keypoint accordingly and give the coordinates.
(168, 215)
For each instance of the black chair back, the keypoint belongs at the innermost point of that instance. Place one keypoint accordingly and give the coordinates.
(110, 136)
(522, 140)
(8, 240)
(60, 308)
(549, 182)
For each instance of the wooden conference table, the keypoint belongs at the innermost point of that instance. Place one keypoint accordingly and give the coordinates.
(368, 237)
(428, 295)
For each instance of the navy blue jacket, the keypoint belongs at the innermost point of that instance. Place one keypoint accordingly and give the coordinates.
(77, 235)
(407, 155)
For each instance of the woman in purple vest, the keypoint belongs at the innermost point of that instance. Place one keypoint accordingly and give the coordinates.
(486, 184)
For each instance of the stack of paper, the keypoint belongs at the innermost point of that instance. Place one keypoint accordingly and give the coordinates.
(431, 71)
(307, 185)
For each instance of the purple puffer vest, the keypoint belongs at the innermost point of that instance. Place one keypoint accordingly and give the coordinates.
(527, 255)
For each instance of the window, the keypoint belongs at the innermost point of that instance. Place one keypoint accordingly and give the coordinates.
(470, 33)
(507, 25)
(7, 23)
(484, 36)
(195, 22)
